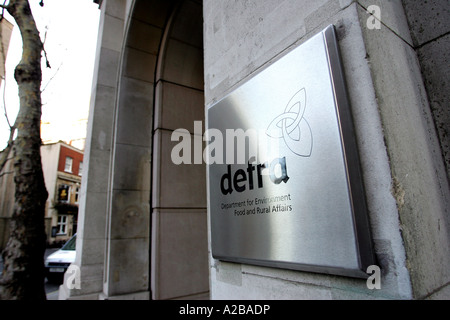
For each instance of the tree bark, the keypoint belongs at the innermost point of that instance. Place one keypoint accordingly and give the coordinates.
(23, 274)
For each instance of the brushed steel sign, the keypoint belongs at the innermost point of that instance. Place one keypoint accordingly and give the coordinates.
(286, 190)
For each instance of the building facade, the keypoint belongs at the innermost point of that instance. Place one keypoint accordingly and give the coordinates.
(62, 166)
(6, 195)
(144, 227)
(6, 201)
(6, 29)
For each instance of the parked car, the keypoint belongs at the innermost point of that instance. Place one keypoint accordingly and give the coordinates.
(57, 263)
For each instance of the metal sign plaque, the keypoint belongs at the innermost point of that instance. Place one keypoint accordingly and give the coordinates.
(285, 188)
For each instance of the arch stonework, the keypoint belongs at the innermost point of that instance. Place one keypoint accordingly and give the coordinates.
(143, 221)
(144, 233)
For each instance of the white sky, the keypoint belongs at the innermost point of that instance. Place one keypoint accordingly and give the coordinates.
(72, 29)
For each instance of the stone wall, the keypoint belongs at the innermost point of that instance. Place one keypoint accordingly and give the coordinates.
(92, 218)
(402, 165)
(419, 182)
(139, 213)
(430, 33)
(142, 219)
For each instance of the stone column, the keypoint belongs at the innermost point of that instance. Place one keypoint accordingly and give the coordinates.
(93, 217)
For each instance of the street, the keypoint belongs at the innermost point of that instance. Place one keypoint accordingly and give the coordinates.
(51, 289)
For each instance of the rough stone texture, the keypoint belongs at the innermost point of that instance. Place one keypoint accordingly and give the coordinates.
(435, 61)
(430, 28)
(428, 20)
(179, 235)
(419, 182)
(187, 181)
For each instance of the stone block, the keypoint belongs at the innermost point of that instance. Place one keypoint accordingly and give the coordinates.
(128, 269)
(108, 67)
(428, 20)
(115, 8)
(92, 215)
(101, 120)
(441, 294)
(176, 186)
(139, 65)
(97, 179)
(132, 168)
(183, 64)
(178, 107)
(92, 251)
(144, 296)
(254, 33)
(112, 38)
(145, 37)
(392, 15)
(130, 214)
(154, 12)
(435, 63)
(135, 112)
(180, 256)
(186, 28)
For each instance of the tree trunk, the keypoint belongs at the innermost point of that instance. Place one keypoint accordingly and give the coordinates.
(23, 274)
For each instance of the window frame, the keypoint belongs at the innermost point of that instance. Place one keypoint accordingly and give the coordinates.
(68, 165)
(62, 223)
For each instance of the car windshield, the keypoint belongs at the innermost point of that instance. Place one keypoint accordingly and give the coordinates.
(70, 245)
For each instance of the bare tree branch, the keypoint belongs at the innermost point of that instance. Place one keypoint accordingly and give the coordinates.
(3, 9)
(53, 76)
(47, 63)
(4, 103)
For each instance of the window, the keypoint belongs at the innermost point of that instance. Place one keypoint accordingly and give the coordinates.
(62, 224)
(71, 244)
(63, 193)
(68, 165)
(77, 194)
(80, 169)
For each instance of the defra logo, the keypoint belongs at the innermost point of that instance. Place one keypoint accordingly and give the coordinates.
(292, 127)
(243, 180)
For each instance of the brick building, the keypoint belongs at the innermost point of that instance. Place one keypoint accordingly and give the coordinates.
(62, 165)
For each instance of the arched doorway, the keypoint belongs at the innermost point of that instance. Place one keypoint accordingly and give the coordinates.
(163, 68)
(179, 265)
(144, 219)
